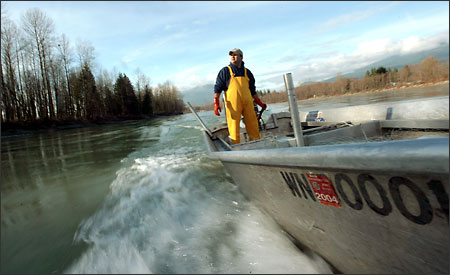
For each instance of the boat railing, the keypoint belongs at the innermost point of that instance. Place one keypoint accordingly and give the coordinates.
(326, 133)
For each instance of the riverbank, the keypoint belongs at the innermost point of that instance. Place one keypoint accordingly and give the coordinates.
(403, 87)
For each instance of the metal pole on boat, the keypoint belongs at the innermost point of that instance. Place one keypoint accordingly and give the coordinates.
(199, 120)
(294, 109)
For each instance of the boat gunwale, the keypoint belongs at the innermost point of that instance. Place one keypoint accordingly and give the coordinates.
(419, 156)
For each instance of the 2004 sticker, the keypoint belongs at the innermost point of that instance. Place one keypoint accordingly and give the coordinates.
(323, 189)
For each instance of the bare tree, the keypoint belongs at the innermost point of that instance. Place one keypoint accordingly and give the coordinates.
(2, 83)
(39, 29)
(10, 97)
(85, 52)
(67, 58)
(167, 99)
(142, 81)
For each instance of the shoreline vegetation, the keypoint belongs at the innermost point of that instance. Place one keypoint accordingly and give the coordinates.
(46, 83)
(404, 87)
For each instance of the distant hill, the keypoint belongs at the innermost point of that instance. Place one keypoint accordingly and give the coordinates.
(399, 61)
(199, 95)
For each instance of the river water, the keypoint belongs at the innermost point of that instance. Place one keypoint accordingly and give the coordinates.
(142, 197)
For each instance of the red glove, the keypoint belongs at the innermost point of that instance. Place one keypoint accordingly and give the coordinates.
(217, 106)
(259, 102)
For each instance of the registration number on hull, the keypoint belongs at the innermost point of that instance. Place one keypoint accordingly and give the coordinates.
(353, 191)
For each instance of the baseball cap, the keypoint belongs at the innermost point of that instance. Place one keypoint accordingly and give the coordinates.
(236, 51)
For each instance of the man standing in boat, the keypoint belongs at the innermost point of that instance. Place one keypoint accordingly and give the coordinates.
(240, 93)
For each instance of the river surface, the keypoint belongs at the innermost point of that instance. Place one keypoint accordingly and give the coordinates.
(142, 197)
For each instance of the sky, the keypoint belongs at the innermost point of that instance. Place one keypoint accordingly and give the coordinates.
(187, 42)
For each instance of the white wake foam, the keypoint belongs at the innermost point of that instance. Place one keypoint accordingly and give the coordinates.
(171, 213)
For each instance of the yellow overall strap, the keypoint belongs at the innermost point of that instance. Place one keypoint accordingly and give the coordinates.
(232, 75)
(231, 71)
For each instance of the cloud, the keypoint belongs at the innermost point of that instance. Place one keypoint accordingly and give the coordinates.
(386, 47)
(353, 17)
(193, 76)
(415, 44)
(367, 52)
(372, 48)
(321, 55)
(288, 58)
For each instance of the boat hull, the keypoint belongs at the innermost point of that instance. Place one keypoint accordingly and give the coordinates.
(372, 210)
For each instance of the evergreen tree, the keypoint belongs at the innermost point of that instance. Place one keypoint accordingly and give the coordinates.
(92, 101)
(112, 106)
(120, 93)
(381, 70)
(147, 101)
(76, 85)
(132, 103)
(127, 98)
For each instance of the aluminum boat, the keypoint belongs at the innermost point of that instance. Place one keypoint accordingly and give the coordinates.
(368, 195)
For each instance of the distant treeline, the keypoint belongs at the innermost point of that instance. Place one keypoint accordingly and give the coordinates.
(430, 70)
(44, 78)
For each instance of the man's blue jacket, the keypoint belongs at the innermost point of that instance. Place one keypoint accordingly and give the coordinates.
(223, 78)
